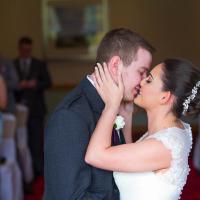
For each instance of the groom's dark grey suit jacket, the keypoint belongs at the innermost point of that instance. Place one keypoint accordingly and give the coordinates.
(68, 131)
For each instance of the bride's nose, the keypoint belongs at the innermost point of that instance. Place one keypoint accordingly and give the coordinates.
(142, 82)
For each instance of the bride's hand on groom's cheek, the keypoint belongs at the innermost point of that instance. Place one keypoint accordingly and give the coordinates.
(110, 92)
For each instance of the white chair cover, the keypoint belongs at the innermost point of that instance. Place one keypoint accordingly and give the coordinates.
(10, 171)
(24, 155)
(6, 181)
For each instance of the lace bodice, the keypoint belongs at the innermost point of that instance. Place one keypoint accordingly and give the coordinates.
(162, 185)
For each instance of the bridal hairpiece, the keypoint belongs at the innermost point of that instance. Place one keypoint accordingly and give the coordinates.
(190, 98)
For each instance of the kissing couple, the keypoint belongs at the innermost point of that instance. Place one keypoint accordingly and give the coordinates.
(89, 156)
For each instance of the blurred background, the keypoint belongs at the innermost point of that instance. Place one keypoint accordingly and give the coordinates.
(66, 33)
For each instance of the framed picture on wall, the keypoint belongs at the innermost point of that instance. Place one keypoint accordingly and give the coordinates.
(73, 28)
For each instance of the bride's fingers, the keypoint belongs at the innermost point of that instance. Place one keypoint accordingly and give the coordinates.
(107, 73)
(101, 72)
(97, 76)
(96, 84)
(120, 81)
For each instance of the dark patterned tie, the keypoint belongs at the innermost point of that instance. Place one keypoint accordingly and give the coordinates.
(117, 139)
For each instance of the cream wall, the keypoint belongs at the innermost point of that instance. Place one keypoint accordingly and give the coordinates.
(18, 18)
(171, 25)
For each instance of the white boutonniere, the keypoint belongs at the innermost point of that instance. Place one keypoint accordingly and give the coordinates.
(119, 123)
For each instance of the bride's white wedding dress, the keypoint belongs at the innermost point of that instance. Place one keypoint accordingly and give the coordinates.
(160, 186)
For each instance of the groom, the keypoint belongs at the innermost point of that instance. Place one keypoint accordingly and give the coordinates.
(67, 176)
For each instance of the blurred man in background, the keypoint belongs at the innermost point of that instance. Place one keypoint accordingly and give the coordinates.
(34, 79)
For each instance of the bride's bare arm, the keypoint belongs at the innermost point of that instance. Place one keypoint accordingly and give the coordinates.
(148, 155)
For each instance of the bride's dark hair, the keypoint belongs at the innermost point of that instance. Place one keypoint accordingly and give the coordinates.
(179, 77)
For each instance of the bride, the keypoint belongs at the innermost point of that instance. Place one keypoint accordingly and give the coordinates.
(156, 166)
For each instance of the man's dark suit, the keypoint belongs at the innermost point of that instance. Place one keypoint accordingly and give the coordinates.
(67, 176)
(34, 99)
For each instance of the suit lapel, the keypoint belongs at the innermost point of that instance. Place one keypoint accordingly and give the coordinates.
(92, 96)
(30, 70)
(97, 106)
(18, 69)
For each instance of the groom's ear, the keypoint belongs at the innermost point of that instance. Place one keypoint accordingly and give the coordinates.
(113, 66)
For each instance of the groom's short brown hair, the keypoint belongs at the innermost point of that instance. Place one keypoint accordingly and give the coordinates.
(121, 42)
